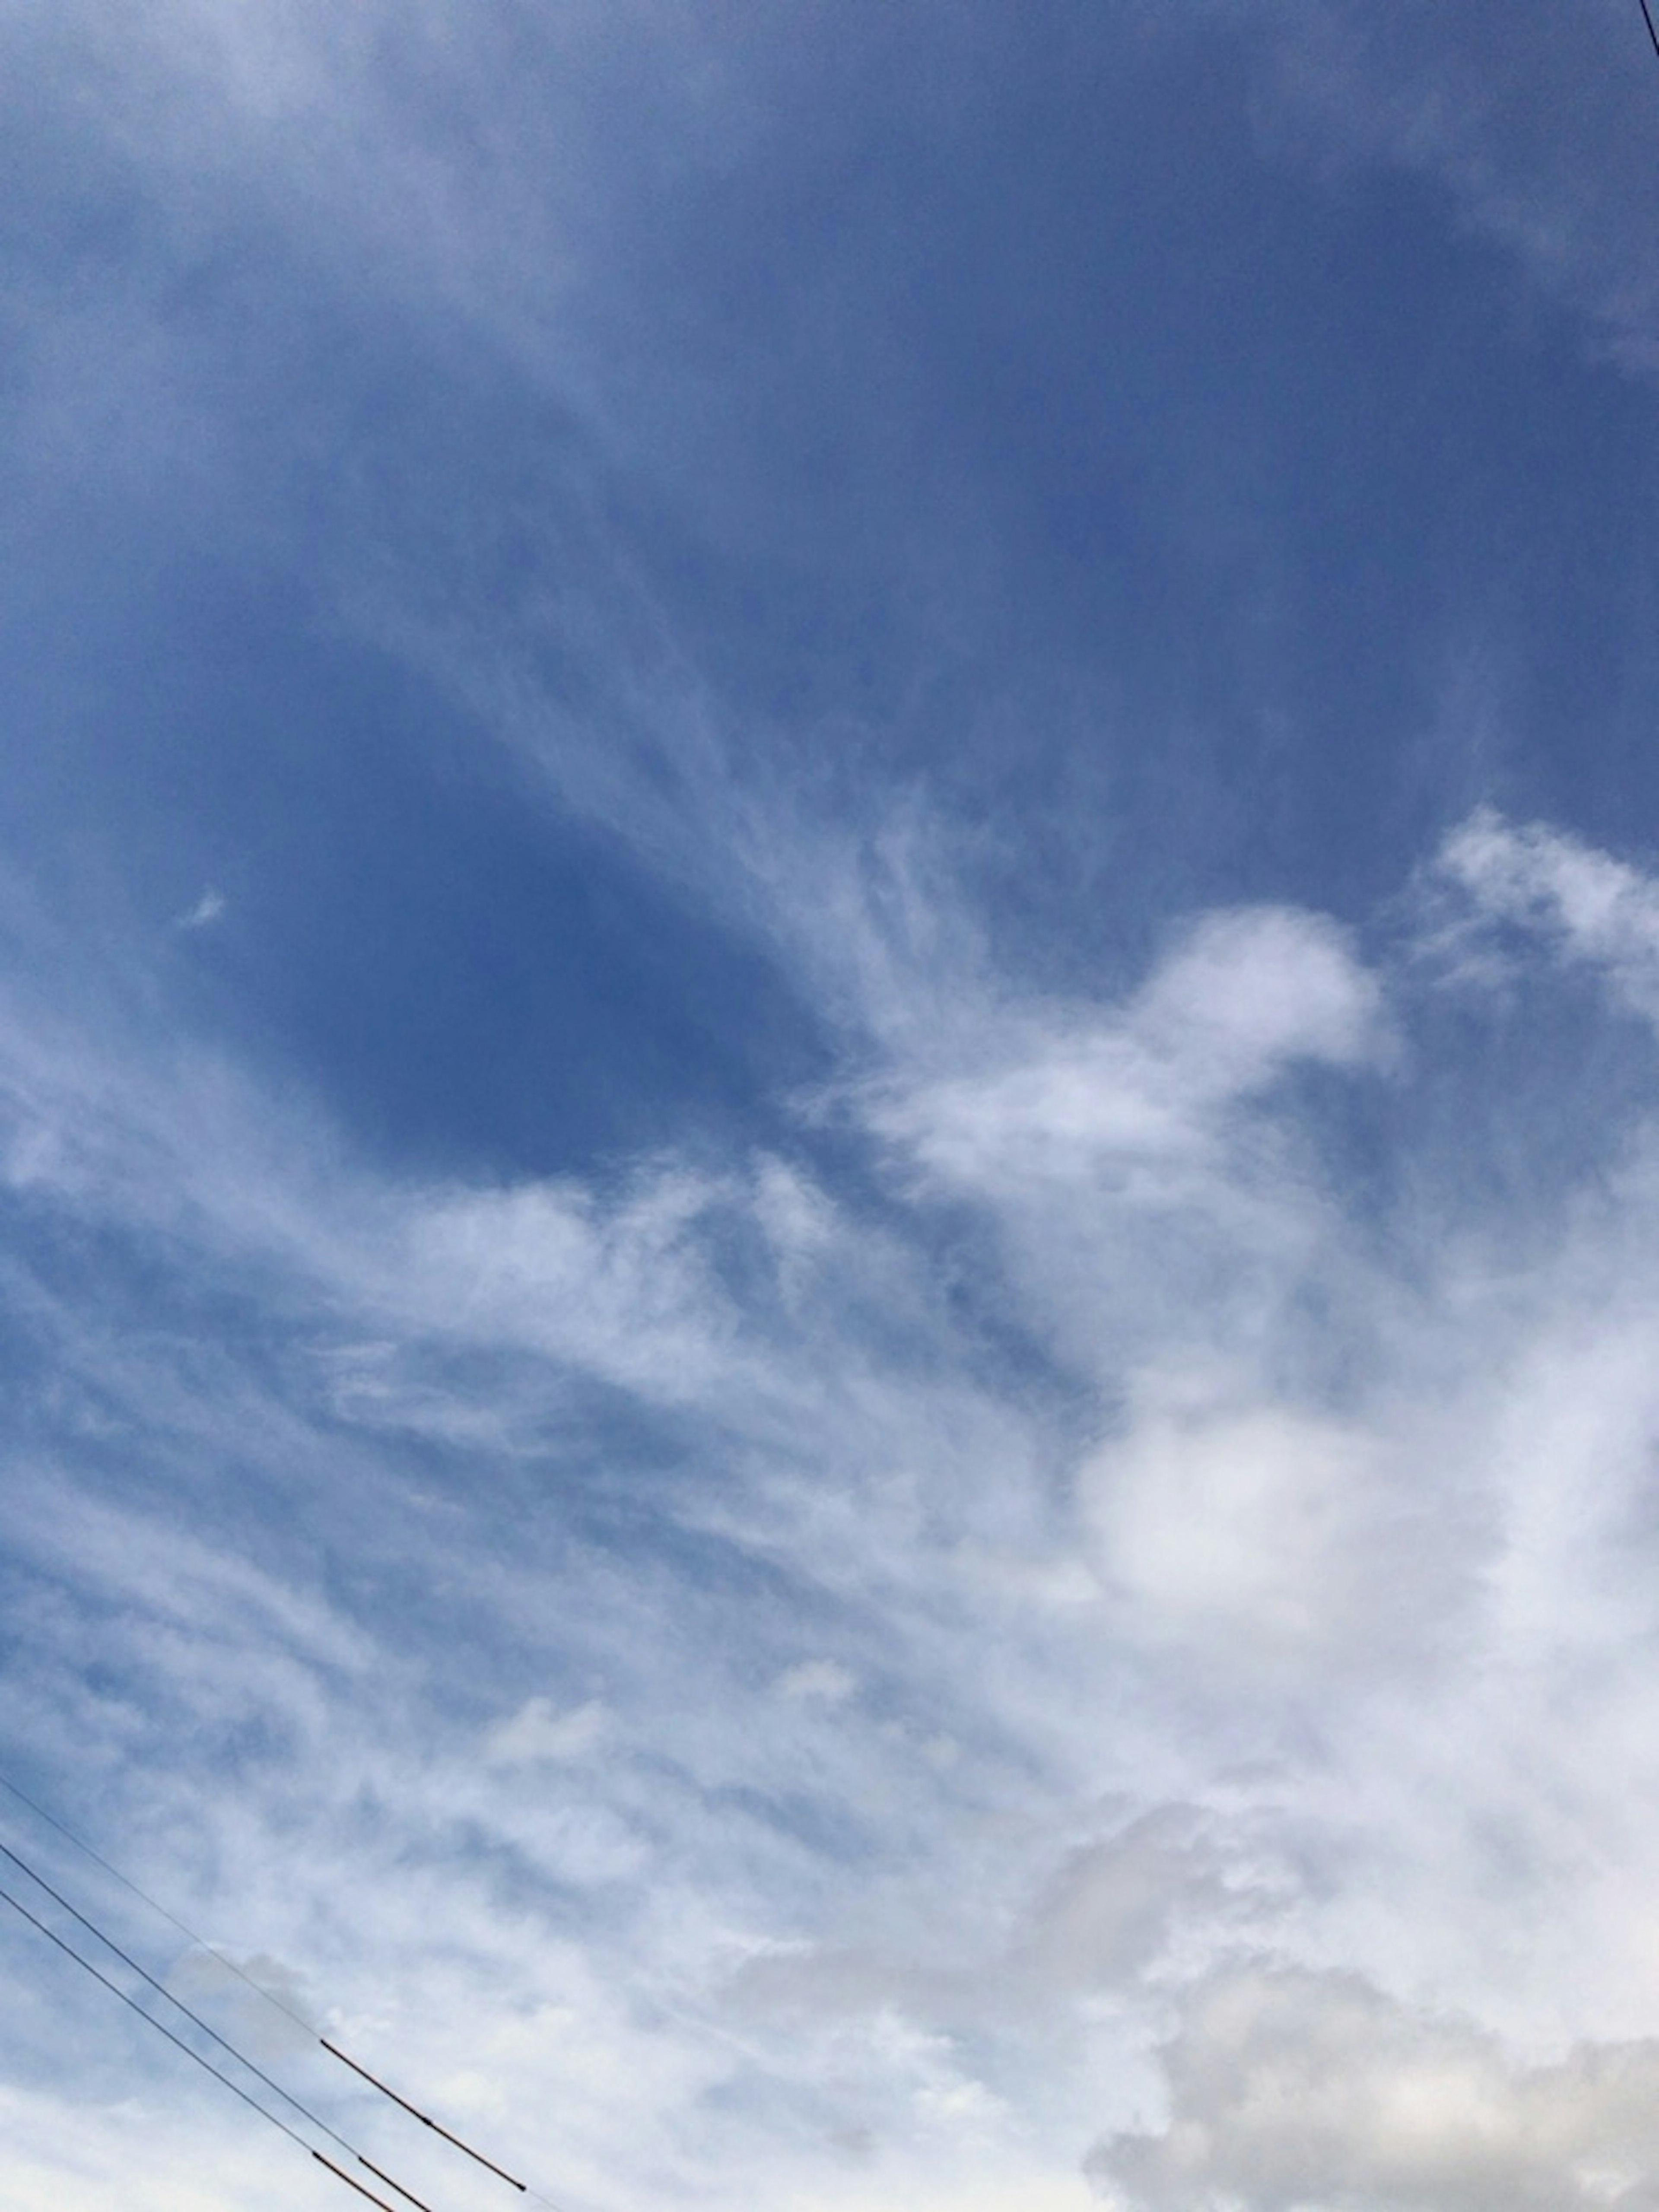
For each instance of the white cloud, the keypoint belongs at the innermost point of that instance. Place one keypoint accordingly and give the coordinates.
(1213, 1571)
(1231, 1521)
(208, 909)
(824, 1681)
(1244, 997)
(540, 1730)
(1583, 905)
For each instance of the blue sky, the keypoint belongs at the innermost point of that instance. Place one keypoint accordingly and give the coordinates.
(829, 970)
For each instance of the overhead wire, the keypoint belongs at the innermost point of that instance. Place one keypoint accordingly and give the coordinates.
(261, 1991)
(296, 2104)
(425, 2120)
(190, 2051)
(161, 1988)
(341, 2174)
(155, 1904)
(1653, 28)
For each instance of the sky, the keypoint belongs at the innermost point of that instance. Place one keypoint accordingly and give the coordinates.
(829, 1098)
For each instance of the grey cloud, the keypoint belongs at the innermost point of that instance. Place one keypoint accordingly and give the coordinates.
(1112, 1908)
(1289, 2090)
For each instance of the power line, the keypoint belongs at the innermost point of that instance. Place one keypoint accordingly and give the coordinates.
(1653, 29)
(240, 2056)
(259, 1990)
(340, 2174)
(178, 2042)
(418, 2114)
(161, 1988)
(156, 1905)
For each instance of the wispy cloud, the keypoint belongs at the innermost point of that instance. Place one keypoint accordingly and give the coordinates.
(1483, 114)
(208, 909)
(1583, 905)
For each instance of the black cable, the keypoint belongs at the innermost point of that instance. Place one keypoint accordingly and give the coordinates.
(191, 1936)
(155, 1905)
(242, 2058)
(340, 2175)
(161, 1990)
(1653, 30)
(196, 2021)
(369, 2166)
(416, 2111)
(161, 2026)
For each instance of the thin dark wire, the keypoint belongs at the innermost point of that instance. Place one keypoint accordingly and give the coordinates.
(500, 2171)
(156, 1905)
(161, 2026)
(178, 2041)
(161, 1990)
(259, 1990)
(341, 2176)
(1653, 30)
(379, 2174)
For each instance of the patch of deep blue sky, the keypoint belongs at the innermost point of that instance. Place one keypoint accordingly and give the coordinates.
(1004, 404)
